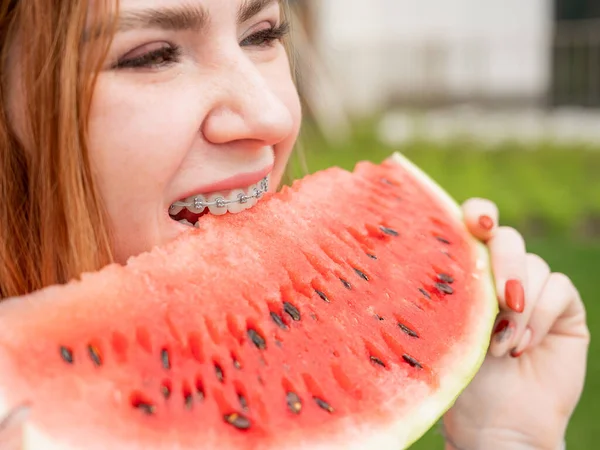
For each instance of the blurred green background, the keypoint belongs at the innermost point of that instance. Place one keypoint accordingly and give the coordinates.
(550, 192)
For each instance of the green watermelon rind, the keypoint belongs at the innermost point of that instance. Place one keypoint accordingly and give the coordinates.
(469, 363)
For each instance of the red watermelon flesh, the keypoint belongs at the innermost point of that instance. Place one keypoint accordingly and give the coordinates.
(345, 312)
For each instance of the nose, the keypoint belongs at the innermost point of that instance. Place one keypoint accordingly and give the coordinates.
(250, 106)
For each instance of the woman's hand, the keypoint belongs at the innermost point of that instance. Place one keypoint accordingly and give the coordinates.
(532, 378)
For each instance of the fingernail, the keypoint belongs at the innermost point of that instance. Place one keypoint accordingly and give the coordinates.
(503, 330)
(486, 223)
(515, 295)
(525, 341)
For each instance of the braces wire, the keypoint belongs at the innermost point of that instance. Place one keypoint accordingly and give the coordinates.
(220, 202)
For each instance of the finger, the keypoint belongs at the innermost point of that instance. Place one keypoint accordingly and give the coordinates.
(481, 217)
(523, 344)
(559, 300)
(511, 340)
(509, 263)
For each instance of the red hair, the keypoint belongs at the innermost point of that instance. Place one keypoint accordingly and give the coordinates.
(52, 224)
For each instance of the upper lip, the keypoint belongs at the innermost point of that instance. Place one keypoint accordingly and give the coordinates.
(241, 180)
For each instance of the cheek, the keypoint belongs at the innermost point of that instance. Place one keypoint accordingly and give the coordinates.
(139, 137)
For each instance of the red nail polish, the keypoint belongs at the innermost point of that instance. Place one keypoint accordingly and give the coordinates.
(515, 295)
(515, 354)
(502, 330)
(486, 223)
(502, 325)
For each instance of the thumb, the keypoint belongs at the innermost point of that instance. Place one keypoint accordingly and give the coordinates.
(481, 218)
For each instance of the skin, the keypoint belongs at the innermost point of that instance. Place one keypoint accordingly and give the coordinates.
(225, 108)
(220, 110)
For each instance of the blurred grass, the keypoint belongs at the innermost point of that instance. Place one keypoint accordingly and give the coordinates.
(551, 193)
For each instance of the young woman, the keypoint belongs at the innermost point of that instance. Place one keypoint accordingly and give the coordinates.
(114, 113)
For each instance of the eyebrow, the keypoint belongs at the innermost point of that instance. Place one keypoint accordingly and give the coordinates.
(184, 17)
(251, 8)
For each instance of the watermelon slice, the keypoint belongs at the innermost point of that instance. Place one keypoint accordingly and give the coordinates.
(345, 312)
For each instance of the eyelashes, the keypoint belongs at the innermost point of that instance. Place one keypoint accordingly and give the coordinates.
(168, 54)
(160, 57)
(267, 36)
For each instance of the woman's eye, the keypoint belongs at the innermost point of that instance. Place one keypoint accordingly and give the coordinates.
(266, 37)
(155, 59)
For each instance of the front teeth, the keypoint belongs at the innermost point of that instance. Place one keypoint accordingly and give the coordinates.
(217, 205)
(241, 204)
(236, 201)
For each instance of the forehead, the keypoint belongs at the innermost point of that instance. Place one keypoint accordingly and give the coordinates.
(207, 4)
(243, 9)
(179, 14)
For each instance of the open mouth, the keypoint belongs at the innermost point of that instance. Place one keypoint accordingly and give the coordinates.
(190, 210)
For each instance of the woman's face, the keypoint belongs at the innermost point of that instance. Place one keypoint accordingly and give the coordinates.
(195, 102)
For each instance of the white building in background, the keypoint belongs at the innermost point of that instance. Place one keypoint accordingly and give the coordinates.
(379, 52)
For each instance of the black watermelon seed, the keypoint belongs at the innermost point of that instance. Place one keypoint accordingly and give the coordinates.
(346, 284)
(278, 320)
(408, 330)
(425, 293)
(379, 317)
(292, 311)
(243, 401)
(389, 231)
(257, 339)
(165, 359)
(238, 421)
(323, 404)
(146, 408)
(322, 295)
(95, 355)
(294, 402)
(66, 354)
(188, 401)
(443, 240)
(219, 372)
(377, 361)
(361, 274)
(166, 391)
(237, 364)
(412, 361)
(445, 278)
(445, 288)
(371, 256)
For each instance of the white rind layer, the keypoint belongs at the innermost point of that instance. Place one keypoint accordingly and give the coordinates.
(461, 366)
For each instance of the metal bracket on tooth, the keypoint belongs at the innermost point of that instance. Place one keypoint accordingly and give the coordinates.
(220, 202)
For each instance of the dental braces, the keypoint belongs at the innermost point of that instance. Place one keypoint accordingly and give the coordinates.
(220, 202)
